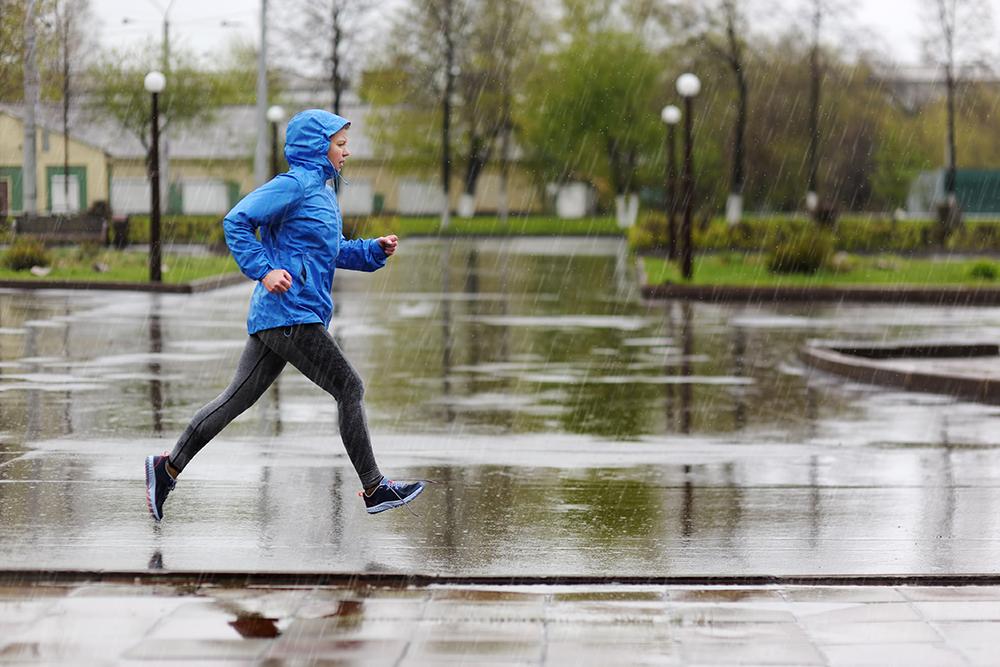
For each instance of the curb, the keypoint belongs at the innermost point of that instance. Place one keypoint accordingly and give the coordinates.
(867, 364)
(193, 287)
(400, 580)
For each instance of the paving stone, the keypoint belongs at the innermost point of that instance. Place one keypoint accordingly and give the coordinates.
(945, 593)
(740, 632)
(379, 651)
(197, 619)
(699, 614)
(473, 650)
(760, 653)
(881, 655)
(351, 628)
(914, 632)
(619, 654)
(198, 649)
(978, 641)
(658, 631)
(857, 613)
(965, 610)
(21, 611)
(446, 609)
(508, 630)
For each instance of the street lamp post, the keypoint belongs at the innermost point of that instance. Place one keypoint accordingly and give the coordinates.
(671, 115)
(275, 114)
(688, 86)
(155, 82)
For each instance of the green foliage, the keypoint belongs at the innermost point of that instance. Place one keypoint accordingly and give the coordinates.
(205, 229)
(803, 254)
(983, 271)
(192, 94)
(494, 47)
(860, 234)
(600, 123)
(25, 253)
(515, 226)
(48, 45)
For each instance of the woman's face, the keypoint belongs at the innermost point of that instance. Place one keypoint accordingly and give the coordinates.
(338, 152)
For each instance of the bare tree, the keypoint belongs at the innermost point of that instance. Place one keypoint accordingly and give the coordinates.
(820, 15)
(486, 81)
(324, 31)
(957, 31)
(723, 31)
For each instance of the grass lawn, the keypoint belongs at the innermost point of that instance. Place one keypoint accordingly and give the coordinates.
(751, 270)
(125, 266)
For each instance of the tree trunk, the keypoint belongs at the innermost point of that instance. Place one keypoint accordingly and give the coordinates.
(812, 196)
(503, 205)
(449, 86)
(734, 203)
(65, 25)
(31, 91)
(336, 79)
(626, 209)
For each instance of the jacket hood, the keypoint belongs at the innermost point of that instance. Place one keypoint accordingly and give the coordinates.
(307, 139)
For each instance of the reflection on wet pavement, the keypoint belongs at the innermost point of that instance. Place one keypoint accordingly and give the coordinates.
(572, 429)
(526, 625)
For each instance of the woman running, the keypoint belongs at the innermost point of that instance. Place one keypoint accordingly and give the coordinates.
(301, 244)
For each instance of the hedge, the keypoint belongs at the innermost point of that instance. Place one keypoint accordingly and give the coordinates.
(859, 234)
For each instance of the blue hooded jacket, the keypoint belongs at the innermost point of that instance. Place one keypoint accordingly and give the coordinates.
(301, 230)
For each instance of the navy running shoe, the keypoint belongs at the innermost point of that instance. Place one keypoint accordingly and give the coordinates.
(158, 484)
(391, 494)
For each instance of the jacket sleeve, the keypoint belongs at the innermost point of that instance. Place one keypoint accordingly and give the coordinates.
(360, 255)
(266, 205)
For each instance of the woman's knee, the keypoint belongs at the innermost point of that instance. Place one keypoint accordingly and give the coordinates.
(353, 388)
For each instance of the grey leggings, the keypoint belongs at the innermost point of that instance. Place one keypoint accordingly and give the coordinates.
(312, 350)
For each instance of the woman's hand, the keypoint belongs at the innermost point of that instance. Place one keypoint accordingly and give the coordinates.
(277, 281)
(388, 244)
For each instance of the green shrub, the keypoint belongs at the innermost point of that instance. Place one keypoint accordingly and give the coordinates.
(26, 253)
(804, 254)
(205, 229)
(983, 271)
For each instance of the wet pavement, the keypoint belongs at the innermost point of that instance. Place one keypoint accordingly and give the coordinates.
(572, 429)
(528, 625)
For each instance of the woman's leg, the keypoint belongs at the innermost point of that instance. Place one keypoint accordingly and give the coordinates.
(257, 369)
(312, 350)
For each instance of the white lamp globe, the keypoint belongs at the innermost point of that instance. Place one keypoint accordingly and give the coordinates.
(688, 85)
(275, 114)
(155, 82)
(671, 115)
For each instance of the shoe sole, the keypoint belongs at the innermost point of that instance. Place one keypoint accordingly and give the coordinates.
(151, 488)
(392, 504)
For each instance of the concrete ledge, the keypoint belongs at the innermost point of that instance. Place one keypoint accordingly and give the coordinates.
(400, 580)
(201, 285)
(941, 296)
(873, 365)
